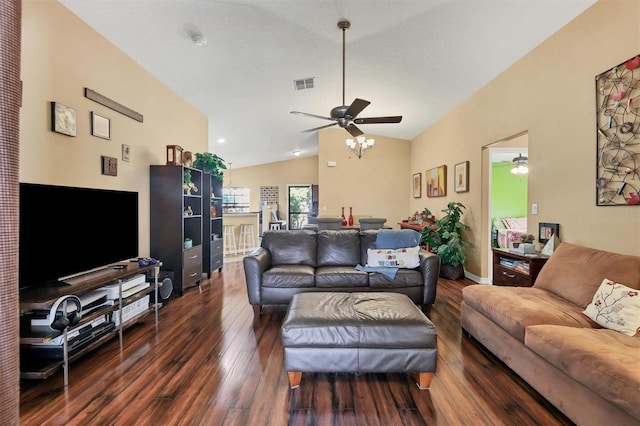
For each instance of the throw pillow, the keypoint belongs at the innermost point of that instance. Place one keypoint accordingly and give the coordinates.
(616, 307)
(408, 257)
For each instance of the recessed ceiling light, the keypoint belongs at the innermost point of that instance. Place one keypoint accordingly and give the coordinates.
(296, 153)
(221, 140)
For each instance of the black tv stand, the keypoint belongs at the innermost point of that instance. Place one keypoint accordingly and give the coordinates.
(35, 299)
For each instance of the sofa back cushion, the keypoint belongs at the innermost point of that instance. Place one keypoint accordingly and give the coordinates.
(368, 240)
(575, 273)
(291, 247)
(338, 248)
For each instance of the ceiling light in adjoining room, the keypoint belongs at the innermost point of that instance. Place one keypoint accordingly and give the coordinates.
(360, 145)
(297, 153)
(520, 165)
(221, 140)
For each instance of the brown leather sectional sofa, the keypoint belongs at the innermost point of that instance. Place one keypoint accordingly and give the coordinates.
(290, 262)
(590, 373)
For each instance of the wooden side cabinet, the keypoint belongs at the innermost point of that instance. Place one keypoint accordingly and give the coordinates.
(514, 269)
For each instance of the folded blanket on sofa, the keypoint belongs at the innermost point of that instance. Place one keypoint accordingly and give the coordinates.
(397, 238)
(384, 270)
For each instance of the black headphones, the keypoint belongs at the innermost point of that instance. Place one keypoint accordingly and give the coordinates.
(60, 317)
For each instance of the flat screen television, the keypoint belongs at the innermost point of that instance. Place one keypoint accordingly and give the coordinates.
(69, 230)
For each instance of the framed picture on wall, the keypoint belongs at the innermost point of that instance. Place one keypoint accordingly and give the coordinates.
(100, 126)
(461, 173)
(63, 119)
(417, 185)
(436, 181)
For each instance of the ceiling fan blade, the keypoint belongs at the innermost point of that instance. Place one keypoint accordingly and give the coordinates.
(318, 128)
(356, 107)
(311, 115)
(353, 129)
(375, 120)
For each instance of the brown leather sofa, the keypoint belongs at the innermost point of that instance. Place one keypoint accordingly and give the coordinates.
(590, 373)
(290, 262)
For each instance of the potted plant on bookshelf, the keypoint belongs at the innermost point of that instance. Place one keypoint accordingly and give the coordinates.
(188, 185)
(444, 238)
(210, 162)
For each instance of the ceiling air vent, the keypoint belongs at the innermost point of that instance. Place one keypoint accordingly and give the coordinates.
(304, 83)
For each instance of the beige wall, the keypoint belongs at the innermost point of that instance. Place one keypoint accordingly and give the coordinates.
(61, 55)
(376, 185)
(301, 171)
(549, 94)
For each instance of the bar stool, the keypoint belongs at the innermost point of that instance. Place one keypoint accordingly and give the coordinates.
(247, 237)
(230, 246)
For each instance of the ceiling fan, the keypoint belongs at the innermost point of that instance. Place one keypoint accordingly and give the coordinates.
(347, 116)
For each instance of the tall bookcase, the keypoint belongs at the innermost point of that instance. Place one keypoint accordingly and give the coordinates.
(176, 217)
(212, 242)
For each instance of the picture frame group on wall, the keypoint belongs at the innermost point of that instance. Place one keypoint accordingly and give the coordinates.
(100, 126)
(461, 174)
(436, 181)
(417, 185)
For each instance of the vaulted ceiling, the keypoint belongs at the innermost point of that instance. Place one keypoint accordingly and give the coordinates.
(415, 58)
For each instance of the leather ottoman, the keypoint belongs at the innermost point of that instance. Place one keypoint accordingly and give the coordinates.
(367, 332)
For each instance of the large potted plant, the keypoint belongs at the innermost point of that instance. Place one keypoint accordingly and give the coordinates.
(444, 238)
(210, 162)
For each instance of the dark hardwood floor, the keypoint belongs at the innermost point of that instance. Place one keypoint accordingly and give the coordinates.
(209, 362)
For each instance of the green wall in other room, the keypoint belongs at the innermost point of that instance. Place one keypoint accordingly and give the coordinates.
(508, 192)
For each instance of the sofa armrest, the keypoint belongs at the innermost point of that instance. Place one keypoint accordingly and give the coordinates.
(430, 268)
(255, 264)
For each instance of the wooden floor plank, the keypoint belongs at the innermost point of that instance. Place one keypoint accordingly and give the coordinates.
(209, 361)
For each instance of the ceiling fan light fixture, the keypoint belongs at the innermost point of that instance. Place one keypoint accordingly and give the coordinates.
(520, 165)
(359, 145)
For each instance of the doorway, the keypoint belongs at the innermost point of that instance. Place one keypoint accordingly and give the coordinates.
(507, 197)
(299, 200)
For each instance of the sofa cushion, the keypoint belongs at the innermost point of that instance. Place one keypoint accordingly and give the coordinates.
(338, 248)
(603, 360)
(574, 272)
(291, 247)
(403, 278)
(617, 307)
(340, 276)
(289, 276)
(367, 241)
(515, 308)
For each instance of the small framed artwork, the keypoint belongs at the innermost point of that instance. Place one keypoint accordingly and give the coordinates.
(63, 119)
(547, 230)
(461, 172)
(436, 181)
(417, 185)
(100, 126)
(109, 165)
(126, 152)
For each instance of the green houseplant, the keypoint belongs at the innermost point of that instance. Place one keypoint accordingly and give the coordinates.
(211, 162)
(444, 238)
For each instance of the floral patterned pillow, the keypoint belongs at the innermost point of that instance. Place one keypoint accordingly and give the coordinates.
(616, 307)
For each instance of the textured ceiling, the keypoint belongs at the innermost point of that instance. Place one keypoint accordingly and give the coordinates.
(415, 58)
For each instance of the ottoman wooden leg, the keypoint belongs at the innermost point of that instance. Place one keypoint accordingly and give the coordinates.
(294, 378)
(423, 379)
